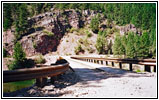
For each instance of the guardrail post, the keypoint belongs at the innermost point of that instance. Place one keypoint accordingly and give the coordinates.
(120, 65)
(147, 68)
(113, 64)
(97, 61)
(41, 82)
(154, 68)
(102, 62)
(130, 67)
(94, 61)
(53, 79)
(106, 62)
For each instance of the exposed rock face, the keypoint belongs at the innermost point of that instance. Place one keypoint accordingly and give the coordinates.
(35, 40)
(8, 39)
(39, 42)
(47, 44)
(129, 27)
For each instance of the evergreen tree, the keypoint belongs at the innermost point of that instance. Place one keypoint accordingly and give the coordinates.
(94, 25)
(19, 55)
(130, 49)
(21, 22)
(137, 45)
(5, 53)
(118, 47)
(7, 17)
(19, 58)
(23, 14)
(101, 45)
(145, 44)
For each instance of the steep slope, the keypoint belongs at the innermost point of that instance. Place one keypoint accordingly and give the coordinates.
(64, 33)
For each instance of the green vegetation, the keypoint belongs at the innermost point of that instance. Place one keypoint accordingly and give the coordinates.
(118, 47)
(7, 21)
(40, 59)
(34, 45)
(138, 70)
(50, 34)
(72, 30)
(21, 20)
(5, 53)
(84, 41)
(13, 86)
(101, 45)
(88, 33)
(94, 25)
(133, 46)
(19, 56)
(81, 31)
(78, 49)
(142, 15)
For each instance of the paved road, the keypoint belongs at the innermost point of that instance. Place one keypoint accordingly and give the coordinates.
(96, 83)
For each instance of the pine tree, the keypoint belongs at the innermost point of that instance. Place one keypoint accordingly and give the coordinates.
(7, 17)
(130, 49)
(94, 25)
(137, 45)
(23, 17)
(101, 45)
(19, 58)
(118, 47)
(145, 45)
(21, 22)
(19, 55)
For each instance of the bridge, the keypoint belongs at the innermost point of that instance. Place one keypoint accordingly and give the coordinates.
(91, 70)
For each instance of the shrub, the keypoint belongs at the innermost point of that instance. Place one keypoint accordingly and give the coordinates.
(48, 33)
(34, 45)
(138, 70)
(88, 33)
(72, 30)
(5, 52)
(84, 41)
(109, 31)
(102, 33)
(14, 65)
(81, 31)
(90, 50)
(40, 59)
(78, 49)
(115, 29)
(109, 23)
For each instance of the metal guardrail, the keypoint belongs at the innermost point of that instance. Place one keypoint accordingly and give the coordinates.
(146, 62)
(39, 73)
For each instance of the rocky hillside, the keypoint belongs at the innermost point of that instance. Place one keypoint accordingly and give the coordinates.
(62, 32)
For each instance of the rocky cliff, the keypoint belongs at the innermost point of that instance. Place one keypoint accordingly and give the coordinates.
(47, 29)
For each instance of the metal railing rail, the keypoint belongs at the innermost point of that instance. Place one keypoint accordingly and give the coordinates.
(40, 72)
(146, 62)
